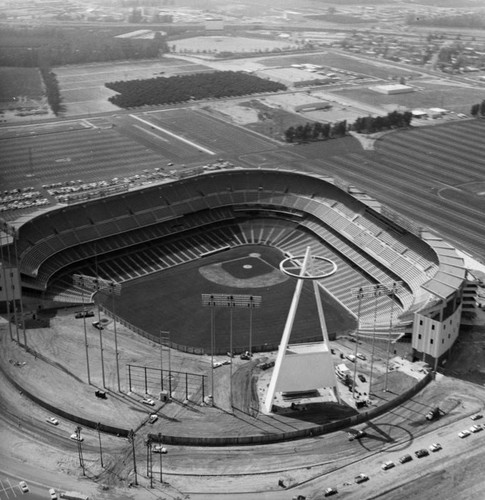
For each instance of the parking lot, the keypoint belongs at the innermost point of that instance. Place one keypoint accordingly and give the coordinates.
(9, 488)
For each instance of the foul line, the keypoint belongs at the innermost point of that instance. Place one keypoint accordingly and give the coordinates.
(193, 144)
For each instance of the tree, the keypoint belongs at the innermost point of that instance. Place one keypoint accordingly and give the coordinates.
(482, 108)
(475, 110)
(290, 134)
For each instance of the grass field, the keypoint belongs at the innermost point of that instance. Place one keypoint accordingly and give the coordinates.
(20, 82)
(171, 301)
(344, 62)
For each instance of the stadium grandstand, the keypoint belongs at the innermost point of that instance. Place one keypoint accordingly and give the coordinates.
(132, 234)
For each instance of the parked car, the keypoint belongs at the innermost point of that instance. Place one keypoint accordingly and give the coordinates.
(464, 434)
(23, 487)
(148, 402)
(361, 356)
(330, 491)
(98, 325)
(388, 465)
(76, 437)
(478, 416)
(362, 378)
(52, 421)
(246, 355)
(361, 478)
(159, 449)
(356, 434)
(435, 447)
(476, 428)
(421, 453)
(53, 494)
(405, 458)
(350, 357)
(84, 314)
(153, 418)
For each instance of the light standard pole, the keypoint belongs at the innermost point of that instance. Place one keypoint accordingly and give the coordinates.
(392, 290)
(77, 279)
(231, 301)
(389, 289)
(160, 441)
(131, 438)
(359, 293)
(77, 431)
(98, 428)
(97, 285)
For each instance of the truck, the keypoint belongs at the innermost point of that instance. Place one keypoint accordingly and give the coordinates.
(74, 495)
(343, 371)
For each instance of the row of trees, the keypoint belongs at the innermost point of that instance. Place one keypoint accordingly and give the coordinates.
(322, 131)
(478, 109)
(181, 88)
(52, 90)
(38, 47)
(315, 131)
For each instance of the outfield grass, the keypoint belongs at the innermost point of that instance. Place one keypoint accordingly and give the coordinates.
(171, 301)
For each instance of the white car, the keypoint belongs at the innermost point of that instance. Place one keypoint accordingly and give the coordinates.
(361, 356)
(23, 486)
(52, 421)
(435, 447)
(153, 418)
(53, 494)
(464, 434)
(159, 449)
(76, 437)
(388, 465)
(148, 401)
(476, 417)
(476, 428)
(217, 364)
(350, 357)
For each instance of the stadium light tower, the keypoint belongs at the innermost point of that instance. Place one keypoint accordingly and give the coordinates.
(368, 291)
(113, 288)
(230, 301)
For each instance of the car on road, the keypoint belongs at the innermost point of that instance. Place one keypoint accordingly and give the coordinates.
(464, 434)
(361, 356)
(362, 378)
(330, 491)
(159, 449)
(361, 478)
(98, 325)
(23, 487)
(84, 314)
(76, 437)
(405, 459)
(52, 421)
(421, 453)
(350, 357)
(388, 465)
(153, 418)
(435, 447)
(148, 402)
(53, 494)
(353, 434)
(476, 428)
(478, 416)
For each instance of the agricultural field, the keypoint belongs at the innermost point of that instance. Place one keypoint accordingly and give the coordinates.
(22, 94)
(337, 61)
(457, 98)
(20, 82)
(218, 44)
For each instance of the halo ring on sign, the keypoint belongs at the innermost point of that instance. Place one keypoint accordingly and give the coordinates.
(295, 269)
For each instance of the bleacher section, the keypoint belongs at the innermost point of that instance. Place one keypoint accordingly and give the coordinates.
(316, 211)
